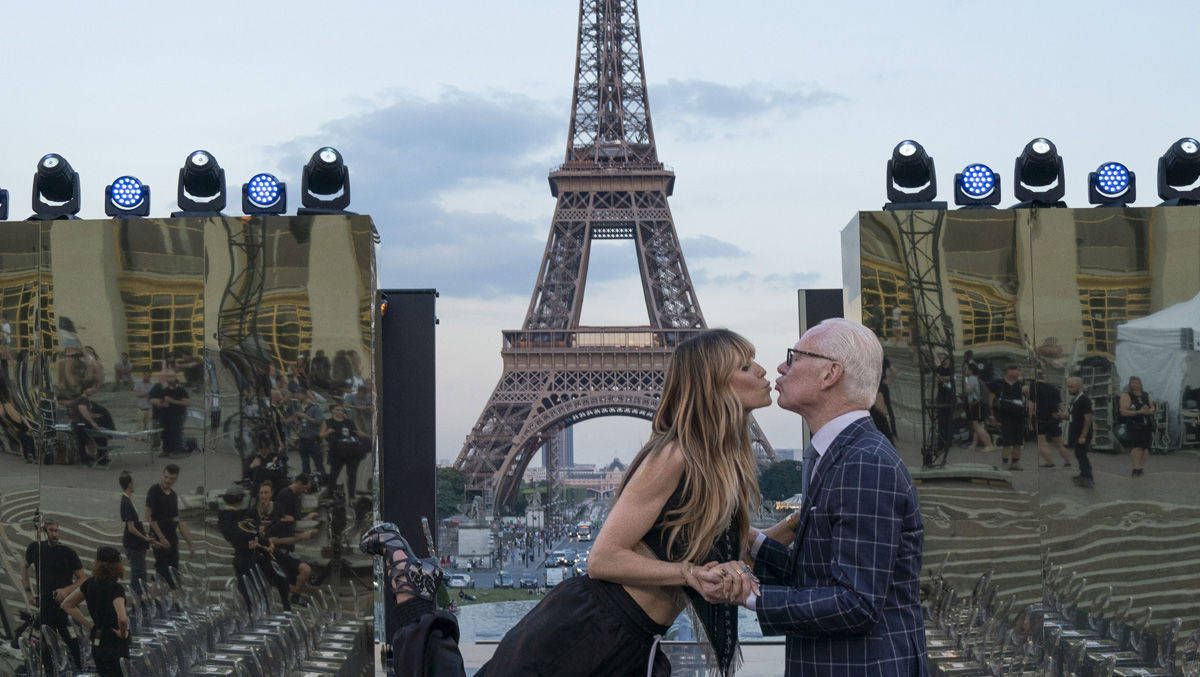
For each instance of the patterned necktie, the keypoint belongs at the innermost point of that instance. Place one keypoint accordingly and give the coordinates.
(810, 461)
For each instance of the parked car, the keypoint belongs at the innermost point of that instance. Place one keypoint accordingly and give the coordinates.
(503, 580)
(460, 581)
(529, 581)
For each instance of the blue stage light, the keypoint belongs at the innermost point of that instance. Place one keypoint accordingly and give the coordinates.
(127, 197)
(264, 194)
(127, 192)
(264, 190)
(1112, 179)
(1112, 185)
(976, 187)
(978, 180)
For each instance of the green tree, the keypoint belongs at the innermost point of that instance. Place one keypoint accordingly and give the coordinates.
(450, 493)
(780, 480)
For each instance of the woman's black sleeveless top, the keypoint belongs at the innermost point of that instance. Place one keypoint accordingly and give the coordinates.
(719, 620)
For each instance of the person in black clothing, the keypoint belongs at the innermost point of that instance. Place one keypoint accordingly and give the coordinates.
(346, 448)
(285, 536)
(1137, 414)
(241, 536)
(278, 567)
(109, 625)
(288, 498)
(83, 414)
(944, 375)
(15, 426)
(170, 402)
(1079, 430)
(881, 410)
(162, 510)
(267, 465)
(1047, 407)
(59, 572)
(135, 538)
(1011, 408)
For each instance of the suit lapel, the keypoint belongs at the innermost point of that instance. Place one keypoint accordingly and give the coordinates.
(831, 457)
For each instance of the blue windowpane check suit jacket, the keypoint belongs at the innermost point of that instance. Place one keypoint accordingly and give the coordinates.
(846, 593)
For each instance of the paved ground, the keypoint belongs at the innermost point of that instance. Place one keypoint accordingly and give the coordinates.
(1169, 479)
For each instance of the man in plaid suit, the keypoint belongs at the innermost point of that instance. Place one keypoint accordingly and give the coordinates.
(844, 590)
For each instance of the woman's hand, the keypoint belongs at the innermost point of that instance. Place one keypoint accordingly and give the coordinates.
(704, 580)
(738, 582)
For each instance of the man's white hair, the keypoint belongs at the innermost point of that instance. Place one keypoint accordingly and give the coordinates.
(859, 352)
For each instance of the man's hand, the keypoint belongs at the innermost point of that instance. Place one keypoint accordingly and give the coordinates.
(310, 534)
(1083, 439)
(61, 594)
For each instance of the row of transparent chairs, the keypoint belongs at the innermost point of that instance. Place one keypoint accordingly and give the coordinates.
(174, 634)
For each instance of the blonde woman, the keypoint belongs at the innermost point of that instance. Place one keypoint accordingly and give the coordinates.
(676, 535)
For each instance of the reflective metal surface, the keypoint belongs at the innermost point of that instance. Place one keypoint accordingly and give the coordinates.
(974, 307)
(181, 357)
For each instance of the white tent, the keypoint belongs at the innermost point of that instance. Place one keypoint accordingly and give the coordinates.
(1153, 349)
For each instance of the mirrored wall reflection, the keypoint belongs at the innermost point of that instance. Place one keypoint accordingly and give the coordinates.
(22, 390)
(1049, 358)
(291, 428)
(151, 362)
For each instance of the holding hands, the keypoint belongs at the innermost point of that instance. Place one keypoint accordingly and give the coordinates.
(722, 583)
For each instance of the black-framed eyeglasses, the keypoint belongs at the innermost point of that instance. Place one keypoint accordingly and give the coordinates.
(792, 353)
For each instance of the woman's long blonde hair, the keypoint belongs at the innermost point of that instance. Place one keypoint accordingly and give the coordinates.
(702, 415)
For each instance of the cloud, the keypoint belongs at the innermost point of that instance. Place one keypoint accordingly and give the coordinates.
(792, 280)
(417, 163)
(709, 247)
(747, 281)
(696, 100)
(406, 153)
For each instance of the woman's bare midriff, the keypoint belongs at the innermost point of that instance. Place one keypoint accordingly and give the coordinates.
(661, 604)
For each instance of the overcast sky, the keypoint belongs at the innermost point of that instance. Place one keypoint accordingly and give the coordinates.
(778, 118)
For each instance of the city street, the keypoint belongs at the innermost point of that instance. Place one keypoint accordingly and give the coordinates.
(592, 512)
(484, 578)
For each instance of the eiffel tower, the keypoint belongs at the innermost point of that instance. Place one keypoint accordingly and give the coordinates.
(610, 187)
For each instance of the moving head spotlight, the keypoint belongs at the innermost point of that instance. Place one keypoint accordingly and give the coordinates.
(325, 183)
(1038, 179)
(1179, 173)
(201, 186)
(55, 189)
(911, 179)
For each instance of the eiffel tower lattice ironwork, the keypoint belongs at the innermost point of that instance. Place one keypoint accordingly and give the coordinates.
(611, 186)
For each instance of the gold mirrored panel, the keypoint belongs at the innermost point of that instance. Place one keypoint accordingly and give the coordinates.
(182, 390)
(1043, 386)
